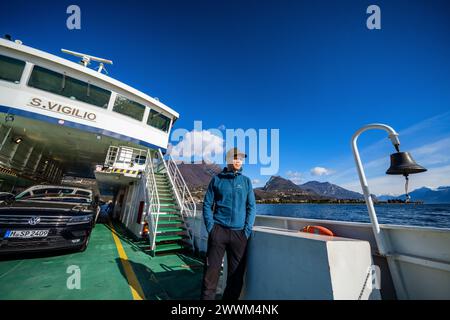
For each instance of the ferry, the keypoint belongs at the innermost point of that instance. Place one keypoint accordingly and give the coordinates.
(59, 118)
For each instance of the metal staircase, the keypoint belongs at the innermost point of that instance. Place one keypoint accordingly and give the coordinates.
(170, 203)
(170, 228)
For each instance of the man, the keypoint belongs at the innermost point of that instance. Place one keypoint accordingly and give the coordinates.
(229, 226)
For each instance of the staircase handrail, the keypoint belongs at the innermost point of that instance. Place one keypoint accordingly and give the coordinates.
(184, 198)
(183, 194)
(154, 204)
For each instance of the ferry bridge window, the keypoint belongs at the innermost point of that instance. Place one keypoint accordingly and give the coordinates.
(158, 120)
(69, 87)
(11, 69)
(140, 159)
(129, 108)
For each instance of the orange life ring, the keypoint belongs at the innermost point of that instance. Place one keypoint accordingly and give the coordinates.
(318, 230)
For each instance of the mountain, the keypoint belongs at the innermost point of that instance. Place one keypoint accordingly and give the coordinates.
(279, 189)
(277, 183)
(260, 194)
(386, 197)
(425, 194)
(331, 190)
(276, 189)
(198, 175)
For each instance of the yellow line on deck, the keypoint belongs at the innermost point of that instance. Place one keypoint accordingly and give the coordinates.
(135, 287)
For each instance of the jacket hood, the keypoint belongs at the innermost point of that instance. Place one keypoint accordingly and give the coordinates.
(229, 173)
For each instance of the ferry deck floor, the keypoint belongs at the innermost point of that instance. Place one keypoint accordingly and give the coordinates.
(113, 267)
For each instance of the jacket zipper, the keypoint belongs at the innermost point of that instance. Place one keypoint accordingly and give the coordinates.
(232, 205)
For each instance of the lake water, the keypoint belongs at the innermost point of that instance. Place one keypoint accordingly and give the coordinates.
(426, 215)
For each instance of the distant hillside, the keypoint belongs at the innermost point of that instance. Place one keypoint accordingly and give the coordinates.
(276, 190)
(279, 189)
(277, 183)
(260, 194)
(198, 175)
(386, 197)
(427, 195)
(331, 190)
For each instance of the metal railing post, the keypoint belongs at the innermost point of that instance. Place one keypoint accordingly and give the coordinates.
(382, 247)
(154, 202)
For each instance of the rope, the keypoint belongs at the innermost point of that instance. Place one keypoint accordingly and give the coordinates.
(365, 284)
(408, 198)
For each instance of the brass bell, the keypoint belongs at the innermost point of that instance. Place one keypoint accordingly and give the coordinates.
(402, 163)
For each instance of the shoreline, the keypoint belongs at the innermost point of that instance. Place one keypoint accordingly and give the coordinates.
(353, 203)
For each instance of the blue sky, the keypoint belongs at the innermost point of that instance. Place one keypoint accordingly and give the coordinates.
(311, 69)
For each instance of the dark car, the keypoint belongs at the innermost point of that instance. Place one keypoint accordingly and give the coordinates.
(46, 223)
(42, 190)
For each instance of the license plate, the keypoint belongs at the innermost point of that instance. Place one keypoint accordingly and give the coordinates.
(26, 233)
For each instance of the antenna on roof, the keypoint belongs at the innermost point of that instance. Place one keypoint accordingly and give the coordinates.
(86, 60)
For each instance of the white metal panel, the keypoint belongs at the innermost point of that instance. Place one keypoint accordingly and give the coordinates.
(21, 99)
(290, 265)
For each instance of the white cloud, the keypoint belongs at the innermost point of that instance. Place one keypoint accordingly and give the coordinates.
(427, 141)
(199, 145)
(294, 176)
(256, 181)
(388, 184)
(437, 122)
(433, 153)
(320, 171)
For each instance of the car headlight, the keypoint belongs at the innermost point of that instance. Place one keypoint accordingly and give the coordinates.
(81, 208)
(80, 219)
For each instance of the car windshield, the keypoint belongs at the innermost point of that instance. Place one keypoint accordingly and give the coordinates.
(56, 198)
(71, 200)
(42, 191)
(52, 190)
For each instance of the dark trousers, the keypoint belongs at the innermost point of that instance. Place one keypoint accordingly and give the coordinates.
(234, 242)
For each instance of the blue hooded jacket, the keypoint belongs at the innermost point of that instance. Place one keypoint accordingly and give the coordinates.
(234, 200)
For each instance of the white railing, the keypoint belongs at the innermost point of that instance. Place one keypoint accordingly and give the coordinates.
(126, 157)
(154, 204)
(183, 196)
